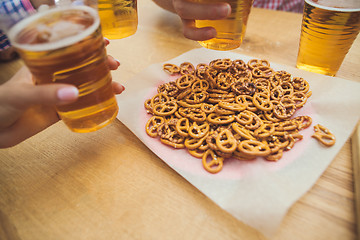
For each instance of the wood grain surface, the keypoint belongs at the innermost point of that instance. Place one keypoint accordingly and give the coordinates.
(109, 185)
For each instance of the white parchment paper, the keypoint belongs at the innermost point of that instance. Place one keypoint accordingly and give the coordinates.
(258, 192)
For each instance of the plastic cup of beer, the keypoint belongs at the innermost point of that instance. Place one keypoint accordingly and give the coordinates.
(65, 45)
(329, 27)
(231, 30)
(119, 18)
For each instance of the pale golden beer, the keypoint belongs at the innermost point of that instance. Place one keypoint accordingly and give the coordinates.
(231, 30)
(119, 18)
(65, 45)
(328, 30)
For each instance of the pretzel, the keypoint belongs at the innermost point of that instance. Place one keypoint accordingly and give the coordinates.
(222, 111)
(165, 109)
(215, 164)
(226, 142)
(243, 88)
(196, 96)
(279, 77)
(224, 81)
(198, 153)
(199, 131)
(200, 70)
(158, 98)
(238, 65)
(200, 84)
(275, 156)
(185, 81)
(197, 115)
(222, 64)
(230, 109)
(182, 103)
(244, 117)
(182, 126)
(152, 125)
(172, 144)
(235, 107)
(262, 72)
(265, 130)
(253, 63)
(147, 105)
(219, 119)
(207, 108)
(254, 148)
(262, 102)
(323, 135)
(303, 122)
(248, 100)
(171, 68)
(195, 143)
(187, 68)
(170, 89)
(242, 131)
(300, 85)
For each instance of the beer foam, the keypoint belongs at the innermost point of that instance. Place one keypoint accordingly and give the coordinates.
(336, 5)
(60, 34)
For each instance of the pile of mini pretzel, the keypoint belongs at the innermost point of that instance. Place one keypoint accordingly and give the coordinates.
(231, 109)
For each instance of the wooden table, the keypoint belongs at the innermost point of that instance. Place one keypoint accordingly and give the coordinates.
(108, 185)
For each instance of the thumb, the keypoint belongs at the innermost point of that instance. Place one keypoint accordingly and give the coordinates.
(47, 94)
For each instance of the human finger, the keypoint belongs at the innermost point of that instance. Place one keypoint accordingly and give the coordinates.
(113, 63)
(106, 41)
(117, 87)
(47, 94)
(201, 11)
(197, 34)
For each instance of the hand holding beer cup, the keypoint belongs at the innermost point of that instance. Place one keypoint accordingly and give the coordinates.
(26, 109)
(329, 28)
(190, 11)
(64, 45)
(216, 24)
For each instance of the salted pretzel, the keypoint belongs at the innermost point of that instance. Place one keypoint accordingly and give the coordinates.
(200, 84)
(152, 125)
(231, 109)
(187, 68)
(262, 72)
(165, 109)
(182, 126)
(200, 70)
(215, 164)
(158, 98)
(226, 142)
(170, 89)
(222, 64)
(220, 119)
(185, 81)
(254, 148)
(262, 102)
(244, 133)
(199, 130)
(224, 80)
(198, 153)
(235, 107)
(219, 110)
(171, 68)
(323, 135)
(196, 143)
(197, 96)
(253, 63)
